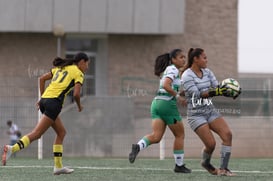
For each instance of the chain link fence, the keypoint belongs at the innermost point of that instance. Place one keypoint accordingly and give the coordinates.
(110, 124)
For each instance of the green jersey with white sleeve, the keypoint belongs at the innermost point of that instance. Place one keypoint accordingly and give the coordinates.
(173, 73)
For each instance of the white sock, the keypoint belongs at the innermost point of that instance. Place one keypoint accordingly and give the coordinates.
(179, 157)
(142, 144)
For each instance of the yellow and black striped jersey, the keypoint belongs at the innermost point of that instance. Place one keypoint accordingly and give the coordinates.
(63, 80)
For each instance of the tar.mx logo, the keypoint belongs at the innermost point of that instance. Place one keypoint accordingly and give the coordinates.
(200, 101)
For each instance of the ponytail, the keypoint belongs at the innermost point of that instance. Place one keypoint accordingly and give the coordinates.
(59, 62)
(161, 63)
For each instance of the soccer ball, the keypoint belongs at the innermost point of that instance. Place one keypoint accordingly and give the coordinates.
(233, 87)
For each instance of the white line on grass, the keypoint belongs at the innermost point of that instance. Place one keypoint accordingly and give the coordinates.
(135, 168)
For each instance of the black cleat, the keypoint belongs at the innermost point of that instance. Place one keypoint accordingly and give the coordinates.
(134, 152)
(181, 169)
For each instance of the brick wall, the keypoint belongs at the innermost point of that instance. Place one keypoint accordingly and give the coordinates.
(211, 25)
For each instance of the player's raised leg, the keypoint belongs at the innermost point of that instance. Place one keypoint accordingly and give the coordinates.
(159, 128)
(9, 150)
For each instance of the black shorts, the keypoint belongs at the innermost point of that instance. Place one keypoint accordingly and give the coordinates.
(51, 107)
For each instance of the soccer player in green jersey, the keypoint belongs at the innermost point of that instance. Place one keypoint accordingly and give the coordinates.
(65, 75)
(164, 109)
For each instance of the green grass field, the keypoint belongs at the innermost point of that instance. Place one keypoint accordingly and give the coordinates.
(28, 169)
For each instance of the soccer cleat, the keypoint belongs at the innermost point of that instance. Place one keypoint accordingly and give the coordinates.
(7, 152)
(226, 172)
(134, 152)
(64, 170)
(181, 169)
(210, 168)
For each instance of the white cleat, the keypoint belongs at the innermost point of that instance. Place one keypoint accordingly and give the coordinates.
(64, 170)
(7, 152)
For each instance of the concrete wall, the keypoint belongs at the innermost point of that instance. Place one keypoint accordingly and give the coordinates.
(96, 16)
(26, 54)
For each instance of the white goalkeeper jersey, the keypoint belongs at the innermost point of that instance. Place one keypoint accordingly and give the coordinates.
(194, 86)
(173, 73)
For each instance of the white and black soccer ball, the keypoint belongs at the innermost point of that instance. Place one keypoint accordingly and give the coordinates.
(233, 87)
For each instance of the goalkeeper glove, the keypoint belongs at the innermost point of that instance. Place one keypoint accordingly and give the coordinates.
(218, 91)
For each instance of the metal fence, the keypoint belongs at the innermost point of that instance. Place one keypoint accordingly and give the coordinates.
(110, 124)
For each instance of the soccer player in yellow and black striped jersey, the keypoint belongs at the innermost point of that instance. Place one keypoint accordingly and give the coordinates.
(65, 75)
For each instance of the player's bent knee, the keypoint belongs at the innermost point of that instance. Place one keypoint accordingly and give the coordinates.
(227, 138)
